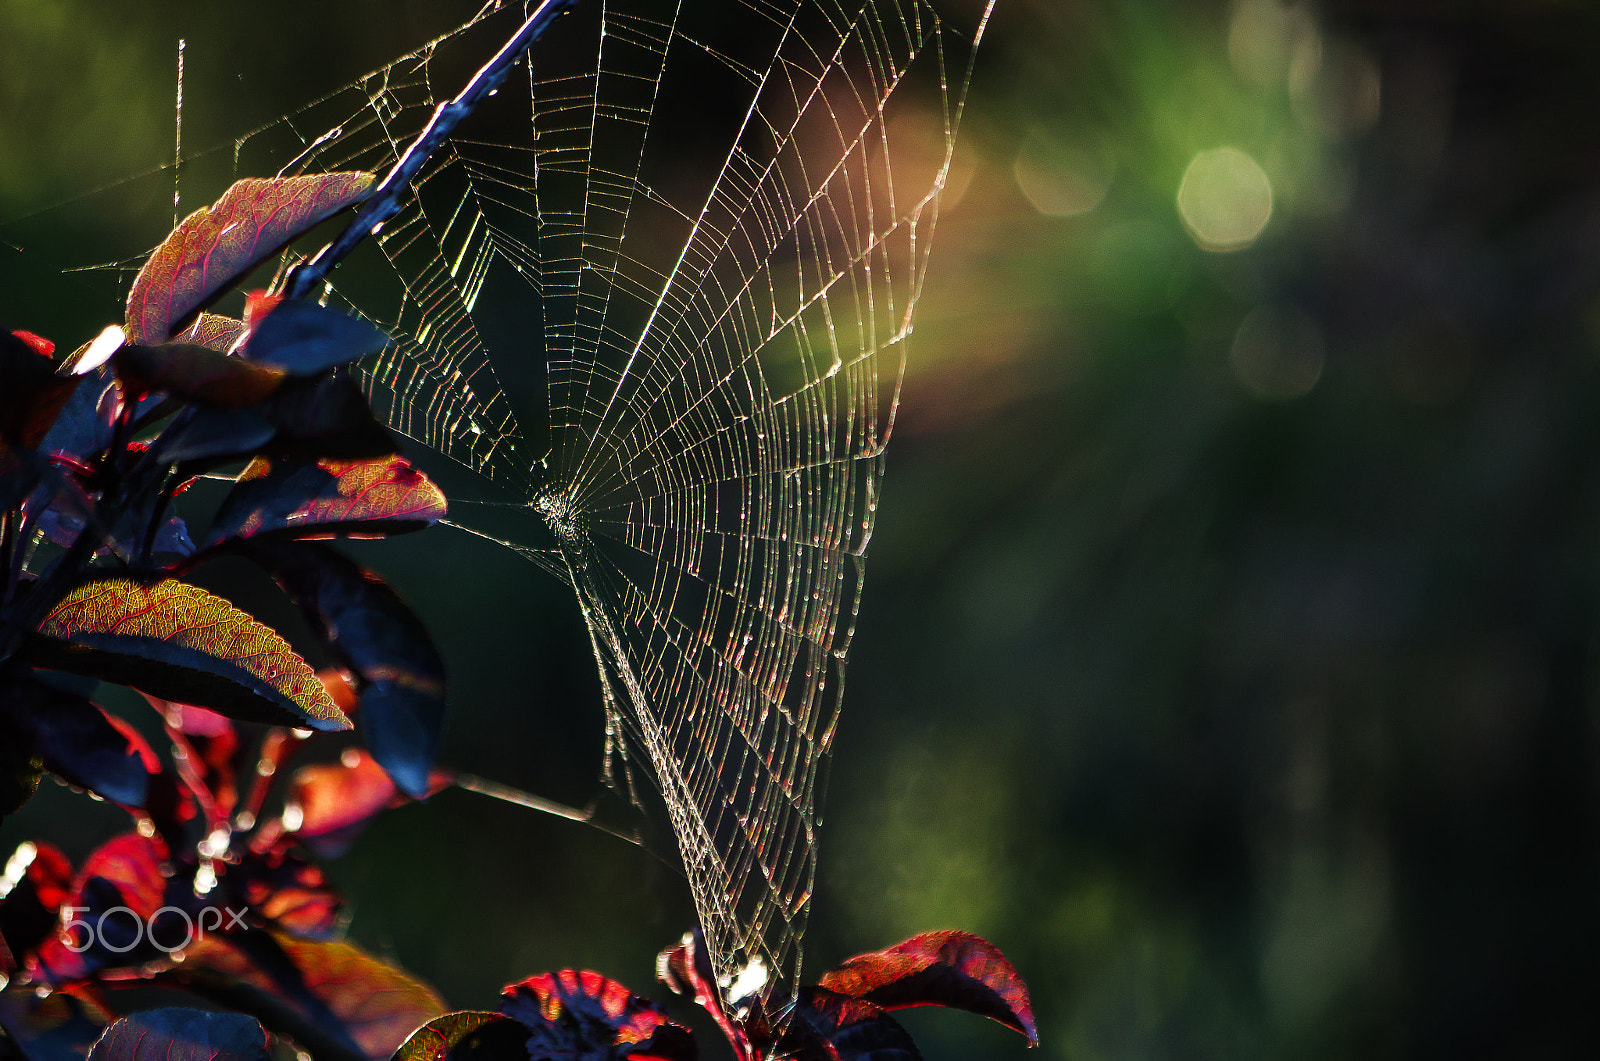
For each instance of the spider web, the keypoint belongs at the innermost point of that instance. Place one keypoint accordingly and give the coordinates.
(705, 265)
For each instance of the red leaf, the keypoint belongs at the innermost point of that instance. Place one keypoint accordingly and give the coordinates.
(178, 642)
(40, 345)
(182, 1035)
(194, 721)
(204, 745)
(586, 1017)
(114, 899)
(258, 304)
(280, 886)
(132, 862)
(300, 500)
(48, 875)
(825, 1026)
(686, 969)
(336, 801)
(334, 986)
(955, 969)
(212, 247)
(339, 687)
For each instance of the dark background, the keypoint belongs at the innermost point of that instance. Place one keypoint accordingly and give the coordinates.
(1228, 653)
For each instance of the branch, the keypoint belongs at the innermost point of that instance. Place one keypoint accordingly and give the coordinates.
(385, 200)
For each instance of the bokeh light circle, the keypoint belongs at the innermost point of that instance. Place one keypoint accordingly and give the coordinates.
(1225, 199)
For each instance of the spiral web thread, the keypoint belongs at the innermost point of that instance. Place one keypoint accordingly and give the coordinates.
(706, 357)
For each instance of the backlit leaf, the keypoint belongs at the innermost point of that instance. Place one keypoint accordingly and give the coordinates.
(212, 247)
(212, 331)
(37, 343)
(182, 1035)
(301, 499)
(955, 969)
(334, 989)
(466, 1036)
(686, 969)
(209, 744)
(337, 800)
(583, 1016)
(178, 642)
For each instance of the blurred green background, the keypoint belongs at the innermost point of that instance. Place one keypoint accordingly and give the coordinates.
(1229, 649)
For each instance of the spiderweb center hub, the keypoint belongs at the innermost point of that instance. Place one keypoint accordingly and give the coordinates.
(561, 515)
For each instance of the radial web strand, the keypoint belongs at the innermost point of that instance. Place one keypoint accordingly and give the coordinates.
(659, 289)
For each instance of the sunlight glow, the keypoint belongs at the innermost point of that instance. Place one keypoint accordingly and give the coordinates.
(17, 867)
(100, 350)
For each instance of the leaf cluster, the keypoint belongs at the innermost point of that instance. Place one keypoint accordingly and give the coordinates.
(96, 448)
(214, 891)
(208, 892)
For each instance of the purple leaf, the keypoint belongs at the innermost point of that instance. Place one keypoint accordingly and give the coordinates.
(83, 429)
(182, 1035)
(57, 1027)
(82, 745)
(304, 339)
(370, 630)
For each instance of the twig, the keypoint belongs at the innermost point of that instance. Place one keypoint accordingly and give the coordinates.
(385, 200)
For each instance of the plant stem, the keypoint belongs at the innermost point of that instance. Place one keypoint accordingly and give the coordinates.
(384, 201)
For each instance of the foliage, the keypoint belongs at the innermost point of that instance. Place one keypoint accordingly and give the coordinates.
(211, 893)
(206, 893)
(96, 448)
